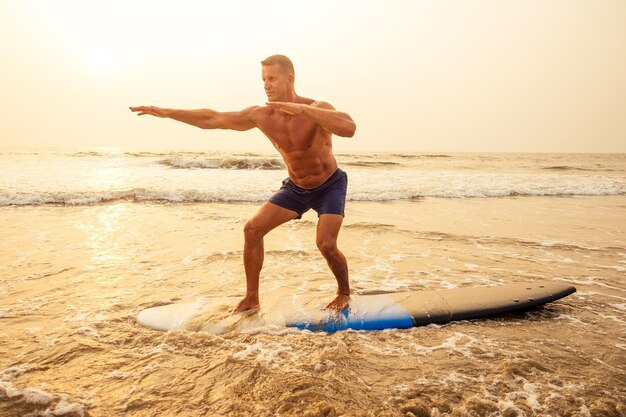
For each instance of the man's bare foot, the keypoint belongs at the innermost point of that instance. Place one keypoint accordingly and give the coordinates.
(339, 303)
(247, 304)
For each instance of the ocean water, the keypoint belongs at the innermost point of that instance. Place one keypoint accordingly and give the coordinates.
(92, 177)
(91, 238)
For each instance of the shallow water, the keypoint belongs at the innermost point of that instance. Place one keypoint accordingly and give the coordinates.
(73, 278)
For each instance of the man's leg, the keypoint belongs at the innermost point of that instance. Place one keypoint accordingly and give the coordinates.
(267, 218)
(328, 227)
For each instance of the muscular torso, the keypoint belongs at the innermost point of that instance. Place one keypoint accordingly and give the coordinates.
(305, 146)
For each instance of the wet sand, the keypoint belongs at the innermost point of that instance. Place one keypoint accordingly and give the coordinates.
(72, 280)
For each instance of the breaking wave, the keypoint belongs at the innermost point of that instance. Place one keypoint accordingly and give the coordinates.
(224, 163)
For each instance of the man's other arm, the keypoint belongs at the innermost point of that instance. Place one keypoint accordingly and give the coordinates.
(203, 118)
(322, 113)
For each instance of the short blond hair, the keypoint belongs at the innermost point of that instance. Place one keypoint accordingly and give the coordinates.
(281, 60)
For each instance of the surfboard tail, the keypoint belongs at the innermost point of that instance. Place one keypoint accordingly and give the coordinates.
(421, 308)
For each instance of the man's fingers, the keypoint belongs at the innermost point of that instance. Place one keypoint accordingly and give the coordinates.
(143, 110)
(285, 107)
(140, 112)
(277, 104)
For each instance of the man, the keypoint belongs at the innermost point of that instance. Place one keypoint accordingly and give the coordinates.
(301, 130)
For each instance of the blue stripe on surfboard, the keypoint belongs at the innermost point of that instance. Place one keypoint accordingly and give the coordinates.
(400, 319)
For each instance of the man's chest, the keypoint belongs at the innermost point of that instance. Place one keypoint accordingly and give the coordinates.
(290, 133)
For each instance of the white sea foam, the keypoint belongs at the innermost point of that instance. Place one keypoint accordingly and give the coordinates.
(324, 366)
(529, 393)
(271, 355)
(55, 404)
(590, 281)
(606, 365)
(7, 390)
(225, 163)
(119, 375)
(12, 372)
(457, 342)
(183, 177)
(36, 396)
(571, 319)
(64, 407)
(87, 331)
(614, 318)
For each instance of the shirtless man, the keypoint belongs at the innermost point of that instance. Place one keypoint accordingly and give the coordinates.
(301, 130)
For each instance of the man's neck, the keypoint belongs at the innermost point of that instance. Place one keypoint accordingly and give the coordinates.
(291, 97)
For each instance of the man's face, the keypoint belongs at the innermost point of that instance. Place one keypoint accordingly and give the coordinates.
(276, 82)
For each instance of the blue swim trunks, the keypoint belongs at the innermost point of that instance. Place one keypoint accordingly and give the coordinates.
(328, 198)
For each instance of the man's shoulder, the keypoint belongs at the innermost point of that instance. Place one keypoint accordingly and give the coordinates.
(305, 100)
(252, 109)
(254, 112)
(315, 103)
(321, 105)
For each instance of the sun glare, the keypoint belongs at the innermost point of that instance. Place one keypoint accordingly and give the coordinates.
(102, 61)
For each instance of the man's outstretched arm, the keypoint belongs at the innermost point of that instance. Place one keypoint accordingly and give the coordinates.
(203, 118)
(325, 115)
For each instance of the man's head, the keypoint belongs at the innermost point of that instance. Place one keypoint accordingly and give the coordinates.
(282, 61)
(278, 78)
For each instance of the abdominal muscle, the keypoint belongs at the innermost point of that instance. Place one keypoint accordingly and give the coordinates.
(310, 169)
(304, 146)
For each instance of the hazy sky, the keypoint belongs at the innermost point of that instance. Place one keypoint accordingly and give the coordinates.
(466, 75)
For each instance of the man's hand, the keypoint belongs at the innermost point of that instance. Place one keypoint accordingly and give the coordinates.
(151, 110)
(286, 107)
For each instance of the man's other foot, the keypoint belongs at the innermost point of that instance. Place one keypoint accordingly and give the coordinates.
(247, 304)
(339, 303)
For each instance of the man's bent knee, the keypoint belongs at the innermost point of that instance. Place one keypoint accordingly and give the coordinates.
(328, 248)
(252, 232)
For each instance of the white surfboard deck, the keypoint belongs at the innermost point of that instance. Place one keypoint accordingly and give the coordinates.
(366, 312)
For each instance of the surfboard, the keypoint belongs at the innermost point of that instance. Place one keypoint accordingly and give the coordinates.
(365, 312)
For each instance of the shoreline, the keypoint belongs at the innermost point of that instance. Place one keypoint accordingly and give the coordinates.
(72, 280)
